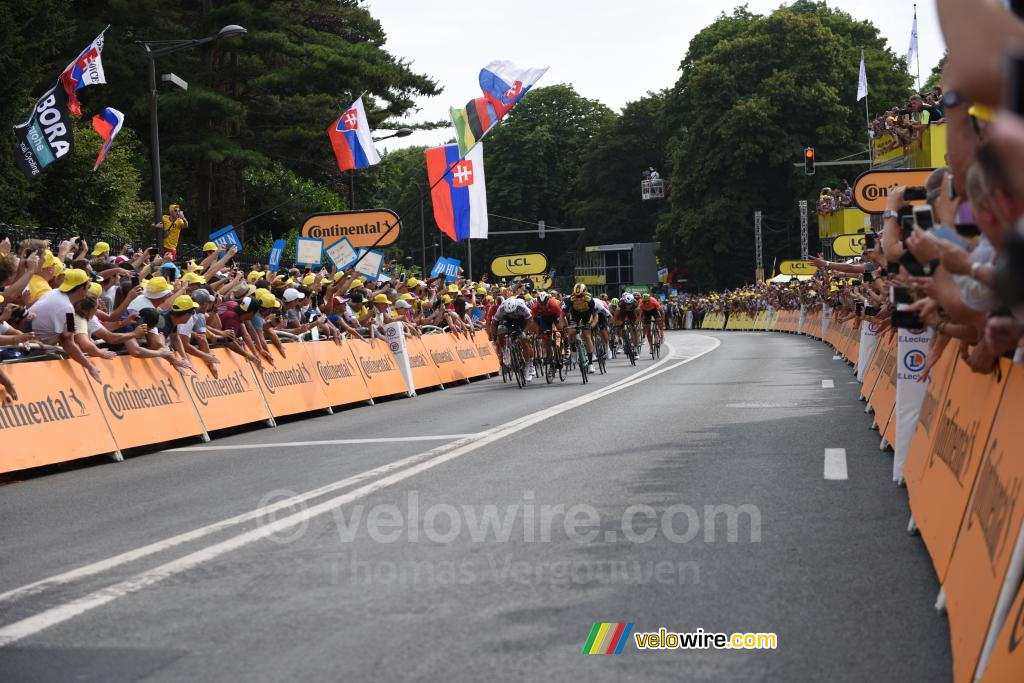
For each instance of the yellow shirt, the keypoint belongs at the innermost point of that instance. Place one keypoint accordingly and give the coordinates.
(37, 286)
(173, 231)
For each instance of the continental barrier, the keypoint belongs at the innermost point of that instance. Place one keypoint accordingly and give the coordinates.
(62, 415)
(963, 471)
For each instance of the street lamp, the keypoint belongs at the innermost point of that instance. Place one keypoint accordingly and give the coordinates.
(400, 133)
(162, 48)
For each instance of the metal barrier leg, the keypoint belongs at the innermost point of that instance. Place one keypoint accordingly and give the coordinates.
(940, 601)
(116, 456)
(912, 527)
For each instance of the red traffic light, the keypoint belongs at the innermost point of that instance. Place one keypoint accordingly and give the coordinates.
(809, 161)
(810, 152)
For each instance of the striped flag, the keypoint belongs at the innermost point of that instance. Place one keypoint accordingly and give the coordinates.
(472, 122)
(459, 191)
(108, 125)
(607, 639)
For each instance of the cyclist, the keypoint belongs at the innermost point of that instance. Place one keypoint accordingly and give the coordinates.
(582, 313)
(513, 315)
(650, 307)
(628, 312)
(548, 314)
(604, 314)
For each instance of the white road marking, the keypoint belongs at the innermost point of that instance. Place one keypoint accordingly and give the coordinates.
(755, 404)
(419, 463)
(837, 357)
(828, 384)
(332, 442)
(835, 463)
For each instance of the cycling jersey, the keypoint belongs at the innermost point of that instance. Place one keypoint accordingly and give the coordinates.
(521, 313)
(549, 309)
(648, 305)
(602, 308)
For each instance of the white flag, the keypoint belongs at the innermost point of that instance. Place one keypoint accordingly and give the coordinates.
(862, 80)
(912, 50)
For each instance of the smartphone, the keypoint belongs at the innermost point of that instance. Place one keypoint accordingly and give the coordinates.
(968, 230)
(900, 295)
(912, 265)
(906, 226)
(69, 322)
(944, 232)
(869, 277)
(859, 308)
(869, 241)
(135, 280)
(915, 192)
(906, 320)
(923, 217)
(872, 311)
(1014, 88)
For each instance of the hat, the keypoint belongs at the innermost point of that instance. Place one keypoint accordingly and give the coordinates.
(381, 299)
(266, 299)
(308, 280)
(194, 279)
(446, 299)
(481, 291)
(208, 247)
(202, 296)
(254, 276)
(170, 266)
(49, 259)
(402, 303)
(173, 206)
(354, 284)
(73, 277)
(246, 304)
(58, 267)
(156, 288)
(291, 294)
(413, 282)
(406, 297)
(183, 303)
(101, 248)
(452, 289)
(242, 290)
(96, 289)
(356, 298)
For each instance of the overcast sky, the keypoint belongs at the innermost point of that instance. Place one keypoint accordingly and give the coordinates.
(614, 51)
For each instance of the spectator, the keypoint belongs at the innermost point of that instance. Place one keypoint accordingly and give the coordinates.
(54, 314)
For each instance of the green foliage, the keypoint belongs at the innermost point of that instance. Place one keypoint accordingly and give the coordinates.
(288, 198)
(935, 77)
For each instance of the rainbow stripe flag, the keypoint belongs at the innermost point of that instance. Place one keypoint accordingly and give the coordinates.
(607, 639)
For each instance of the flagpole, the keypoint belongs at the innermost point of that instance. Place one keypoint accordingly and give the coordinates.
(469, 252)
(917, 51)
(867, 113)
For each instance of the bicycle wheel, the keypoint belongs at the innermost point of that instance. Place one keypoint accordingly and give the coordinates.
(559, 357)
(518, 364)
(627, 346)
(581, 353)
(601, 349)
(503, 359)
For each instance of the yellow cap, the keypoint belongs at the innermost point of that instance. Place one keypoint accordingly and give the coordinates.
(208, 247)
(101, 248)
(309, 279)
(73, 277)
(413, 282)
(381, 299)
(155, 286)
(58, 267)
(95, 289)
(194, 279)
(446, 299)
(406, 297)
(452, 289)
(183, 303)
(254, 276)
(49, 259)
(982, 112)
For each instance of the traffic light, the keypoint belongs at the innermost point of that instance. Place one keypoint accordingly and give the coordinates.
(809, 161)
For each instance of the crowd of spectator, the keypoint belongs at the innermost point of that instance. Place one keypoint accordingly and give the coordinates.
(831, 200)
(906, 125)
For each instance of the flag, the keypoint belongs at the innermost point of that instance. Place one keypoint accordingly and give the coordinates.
(460, 199)
(108, 125)
(85, 69)
(46, 135)
(351, 139)
(472, 122)
(504, 84)
(912, 50)
(862, 80)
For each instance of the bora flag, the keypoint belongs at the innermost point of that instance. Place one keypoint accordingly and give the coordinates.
(85, 69)
(472, 122)
(504, 84)
(108, 125)
(460, 198)
(352, 140)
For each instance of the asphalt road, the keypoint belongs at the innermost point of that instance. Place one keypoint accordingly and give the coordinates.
(260, 557)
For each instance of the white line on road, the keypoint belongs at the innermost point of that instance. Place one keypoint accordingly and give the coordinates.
(837, 357)
(63, 612)
(332, 442)
(835, 463)
(828, 384)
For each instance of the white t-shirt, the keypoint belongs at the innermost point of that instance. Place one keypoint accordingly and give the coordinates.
(51, 315)
(140, 303)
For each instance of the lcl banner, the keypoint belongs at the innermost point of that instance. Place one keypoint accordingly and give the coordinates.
(515, 265)
(871, 189)
(797, 268)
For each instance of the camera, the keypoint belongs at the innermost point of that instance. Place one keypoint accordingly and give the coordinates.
(915, 193)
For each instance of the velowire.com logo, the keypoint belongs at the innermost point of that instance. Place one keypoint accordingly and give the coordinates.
(607, 639)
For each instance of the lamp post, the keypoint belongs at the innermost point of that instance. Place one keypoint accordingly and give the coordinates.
(162, 48)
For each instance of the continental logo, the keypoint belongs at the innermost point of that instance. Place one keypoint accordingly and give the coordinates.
(930, 408)
(128, 399)
(418, 361)
(954, 443)
(992, 504)
(889, 366)
(871, 190)
(484, 351)
(223, 387)
(279, 379)
(361, 228)
(441, 357)
(467, 354)
(378, 366)
(58, 407)
(334, 371)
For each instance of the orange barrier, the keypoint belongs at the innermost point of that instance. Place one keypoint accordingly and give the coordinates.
(340, 377)
(1007, 660)
(231, 399)
(424, 372)
(145, 402)
(442, 353)
(379, 368)
(56, 417)
(291, 384)
(489, 362)
(989, 530)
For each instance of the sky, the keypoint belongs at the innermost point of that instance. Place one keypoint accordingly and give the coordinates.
(614, 51)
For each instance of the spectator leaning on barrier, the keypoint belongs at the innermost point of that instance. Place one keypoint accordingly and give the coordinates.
(54, 315)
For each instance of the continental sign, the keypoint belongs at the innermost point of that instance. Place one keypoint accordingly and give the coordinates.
(871, 191)
(849, 245)
(514, 265)
(797, 268)
(362, 228)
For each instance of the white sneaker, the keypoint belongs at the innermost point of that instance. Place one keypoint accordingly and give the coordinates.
(530, 373)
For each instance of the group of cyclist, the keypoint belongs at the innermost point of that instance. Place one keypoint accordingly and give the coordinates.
(548, 313)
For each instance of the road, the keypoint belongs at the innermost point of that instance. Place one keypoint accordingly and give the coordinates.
(365, 555)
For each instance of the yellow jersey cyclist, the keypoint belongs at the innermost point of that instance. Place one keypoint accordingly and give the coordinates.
(628, 311)
(582, 312)
(651, 310)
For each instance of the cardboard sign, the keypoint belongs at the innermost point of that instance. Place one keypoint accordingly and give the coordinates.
(274, 261)
(145, 401)
(56, 417)
(515, 265)
(449, 267)
(342, 254)
(360, 228)
(370, 264)
(291, 385)
(871, 189)
(989, 531)
(308, 251)
(231, 399)
(225, 238)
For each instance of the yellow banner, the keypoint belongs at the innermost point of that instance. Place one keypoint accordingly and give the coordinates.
(797, 268)
(848, 245)
(514, 265)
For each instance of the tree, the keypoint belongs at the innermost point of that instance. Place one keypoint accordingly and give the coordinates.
(754, 91)
(935, 77)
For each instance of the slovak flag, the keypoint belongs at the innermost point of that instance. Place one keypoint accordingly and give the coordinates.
(351, 139)
(460, 200)
(504, 84)
(85, 69)
(108, 125)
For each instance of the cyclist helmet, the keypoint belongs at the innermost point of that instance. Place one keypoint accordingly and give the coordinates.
(615, 301)
(628, 299)
(542, 296)
(510, 306)
(579, 290)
